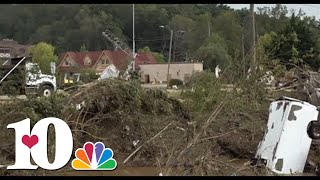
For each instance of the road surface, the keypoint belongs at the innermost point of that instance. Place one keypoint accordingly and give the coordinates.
(8, 98)
(159, 86)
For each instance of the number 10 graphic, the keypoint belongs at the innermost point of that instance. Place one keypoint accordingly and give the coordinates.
(34, 143)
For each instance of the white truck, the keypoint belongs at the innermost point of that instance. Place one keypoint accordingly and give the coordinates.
(33, 82)
(292, 125)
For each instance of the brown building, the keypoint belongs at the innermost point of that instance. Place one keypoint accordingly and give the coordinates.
(71, 63)
(178, 70)
(11, 49)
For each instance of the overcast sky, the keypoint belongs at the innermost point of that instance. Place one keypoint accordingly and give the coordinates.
(309, 9)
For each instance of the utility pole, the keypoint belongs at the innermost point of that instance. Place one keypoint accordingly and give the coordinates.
(242, 44)
(209, 25)
(163, 41)
(171, 34)
(133, 41)
(174, 47)
(253, 39)
(209, 31)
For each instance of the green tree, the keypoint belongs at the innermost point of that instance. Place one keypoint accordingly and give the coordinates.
(263, 42)
(297, 43)
(214, 52)
(158, 56)
(43, 54)
(68, 27)
(227, 25)
(83, 48)
(145, 49)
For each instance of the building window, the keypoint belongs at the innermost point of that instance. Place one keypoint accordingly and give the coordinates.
(68, 61)
(87, 61)
(157, 73)
(104, 61)
(178, 73)
(4, 50)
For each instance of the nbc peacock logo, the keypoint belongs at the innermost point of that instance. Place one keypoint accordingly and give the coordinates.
(94, 157)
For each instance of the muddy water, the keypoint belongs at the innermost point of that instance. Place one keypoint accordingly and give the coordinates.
(154, 171)
(131, 171)
(127, 171)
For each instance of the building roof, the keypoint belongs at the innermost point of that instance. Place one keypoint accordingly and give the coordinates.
(119, 58)
(78, 57)
(180, 63)
(17, 50)
(145, 58)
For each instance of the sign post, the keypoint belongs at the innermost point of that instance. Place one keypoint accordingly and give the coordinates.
(53, 67)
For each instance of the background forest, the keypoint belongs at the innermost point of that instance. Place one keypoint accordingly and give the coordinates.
(212, 33)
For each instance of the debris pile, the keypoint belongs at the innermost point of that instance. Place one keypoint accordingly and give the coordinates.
(205, 134)
(123, 115)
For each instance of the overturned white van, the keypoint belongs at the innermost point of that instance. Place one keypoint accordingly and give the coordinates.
(286, 142)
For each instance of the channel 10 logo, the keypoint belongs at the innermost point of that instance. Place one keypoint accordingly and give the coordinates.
(34, 144)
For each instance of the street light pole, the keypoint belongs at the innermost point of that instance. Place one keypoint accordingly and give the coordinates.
(171, 34)
(253, 66)
(133, 41)
(163, 40)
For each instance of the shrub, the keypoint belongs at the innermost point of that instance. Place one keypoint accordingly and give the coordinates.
(176, 82)
(88, 76)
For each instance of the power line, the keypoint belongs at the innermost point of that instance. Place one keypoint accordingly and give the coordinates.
(150, 39)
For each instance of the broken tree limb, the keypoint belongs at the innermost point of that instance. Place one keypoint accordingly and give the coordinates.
(224, 163)
(214, 137)
(100, 138)
(287, 83)
(210, 119)
(134, 152)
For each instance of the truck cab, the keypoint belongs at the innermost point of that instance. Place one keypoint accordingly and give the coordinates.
(31, 80)
(38, 83)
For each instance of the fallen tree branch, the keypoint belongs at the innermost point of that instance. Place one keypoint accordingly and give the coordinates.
(134, 152)
(210, 119)
(224, 163)
(214, 137)
(100, 138)
(287, 83)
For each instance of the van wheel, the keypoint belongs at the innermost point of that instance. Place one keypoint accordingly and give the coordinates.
(313, 130)
(46, 91)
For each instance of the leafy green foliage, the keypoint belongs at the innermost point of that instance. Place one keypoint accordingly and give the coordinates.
(158, 56)
(214, 52)
(14, 83)
(83, 48)
(206, 92)
(88, 75)
(297, 43)
(43, 54)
